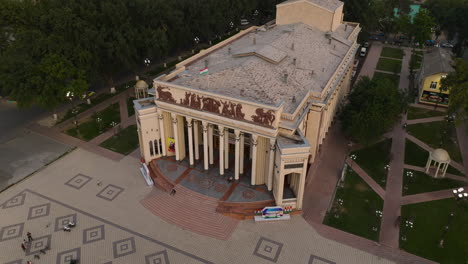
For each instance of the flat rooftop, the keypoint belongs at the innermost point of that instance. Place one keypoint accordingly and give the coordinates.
(282, 63)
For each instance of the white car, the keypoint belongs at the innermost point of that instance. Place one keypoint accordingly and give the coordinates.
(447, 45)
(244, 22)
(363, 52)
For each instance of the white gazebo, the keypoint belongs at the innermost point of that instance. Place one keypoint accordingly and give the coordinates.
(441, 160)
(141, 89)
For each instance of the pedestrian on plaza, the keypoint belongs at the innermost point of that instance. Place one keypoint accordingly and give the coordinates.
(23, 247)
(173, 192)
(230, 179)
(29, 237)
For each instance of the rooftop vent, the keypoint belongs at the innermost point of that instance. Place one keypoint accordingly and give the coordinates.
(292, 46)
(229, 50)
(254, 40)
(293, 99)
(285, 78)
(345, 27)
(294, 61)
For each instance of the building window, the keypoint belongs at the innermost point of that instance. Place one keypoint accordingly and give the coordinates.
(433, 85)
(151, 148)
(294, 166)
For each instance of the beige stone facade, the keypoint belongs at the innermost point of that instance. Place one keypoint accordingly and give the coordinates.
(264, 98)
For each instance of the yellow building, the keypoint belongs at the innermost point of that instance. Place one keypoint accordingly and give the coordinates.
(257, 105)
(436, 65)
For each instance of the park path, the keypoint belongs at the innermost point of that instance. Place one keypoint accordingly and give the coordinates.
(368, 179)
(389, 232)
(371, 61)
(463, 143)
(447, 175)
(425, 120)
(56, 132)
(404, 73)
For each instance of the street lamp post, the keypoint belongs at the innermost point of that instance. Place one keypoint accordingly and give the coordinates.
(256, 16)
(459, 194)
(113, 124)
(71, 97)
(147, 62)
(197, 40)
(99, 121)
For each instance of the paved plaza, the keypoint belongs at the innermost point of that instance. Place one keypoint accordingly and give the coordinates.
(103, 197)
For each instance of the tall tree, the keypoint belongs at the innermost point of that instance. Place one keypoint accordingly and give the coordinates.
(423, 25)
(373, 108)
(457, 84)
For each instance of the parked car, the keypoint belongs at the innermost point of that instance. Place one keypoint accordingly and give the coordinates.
(363, 52)
(244, 22)
(447, 45)
(366, 44)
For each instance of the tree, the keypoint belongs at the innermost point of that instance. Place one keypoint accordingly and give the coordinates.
(457, 84)
(422, 26)
(374, 107)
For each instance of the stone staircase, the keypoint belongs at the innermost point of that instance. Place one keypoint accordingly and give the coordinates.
(191, 211)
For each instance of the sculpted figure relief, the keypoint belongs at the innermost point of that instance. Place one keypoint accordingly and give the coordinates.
(195, 101)
(264, 118)
(165, 95)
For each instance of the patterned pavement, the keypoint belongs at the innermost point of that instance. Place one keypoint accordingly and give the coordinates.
(102, 197)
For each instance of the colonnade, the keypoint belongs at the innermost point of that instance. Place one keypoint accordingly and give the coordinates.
(193, 132)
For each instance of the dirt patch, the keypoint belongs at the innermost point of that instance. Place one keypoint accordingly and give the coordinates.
(361, 187)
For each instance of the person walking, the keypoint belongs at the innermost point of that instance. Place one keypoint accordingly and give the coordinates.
(29, 236)
(173, 192)
(23, 247)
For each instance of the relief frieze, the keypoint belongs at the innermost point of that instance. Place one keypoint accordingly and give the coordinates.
(217, 106)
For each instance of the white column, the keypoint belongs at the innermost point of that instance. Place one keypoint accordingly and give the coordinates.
(197, 140)
(300, 192)
(271, 163)
(205, 144)
(237, 154)
(445, 169)
(428, 164)
(190, 139)
(161, 132)
(176, 135)
(254, 159)
(221, 150)
(251, 148)
(156, 151)
(437, 170)
(210, 143)
(241, 154)
(226, 149)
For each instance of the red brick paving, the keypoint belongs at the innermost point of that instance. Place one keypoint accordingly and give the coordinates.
(191, 211)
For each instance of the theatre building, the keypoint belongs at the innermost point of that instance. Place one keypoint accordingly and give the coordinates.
(257, 106)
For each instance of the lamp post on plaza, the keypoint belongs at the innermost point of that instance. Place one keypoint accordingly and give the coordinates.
(99, 122)
(256, 16)
(147, 62)
(71, 97)
(459, 194)
(113, 124)
(197, 40)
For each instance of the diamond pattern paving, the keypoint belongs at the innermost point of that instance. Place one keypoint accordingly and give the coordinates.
(11, 232)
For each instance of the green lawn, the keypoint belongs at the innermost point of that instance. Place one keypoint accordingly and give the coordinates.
(394, 78)
(432, 134)
(91, 128)
(421, 182)
(392, 53)
(357, 215)
(429, 219)
(96, 100)
(130, 109)
(417, 60)
(373, 159)
(124, 142)
(417, 156)
(417, 113)
(389, 65)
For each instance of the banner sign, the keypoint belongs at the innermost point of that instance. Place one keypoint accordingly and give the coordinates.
(435, 98)
(170, 142)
